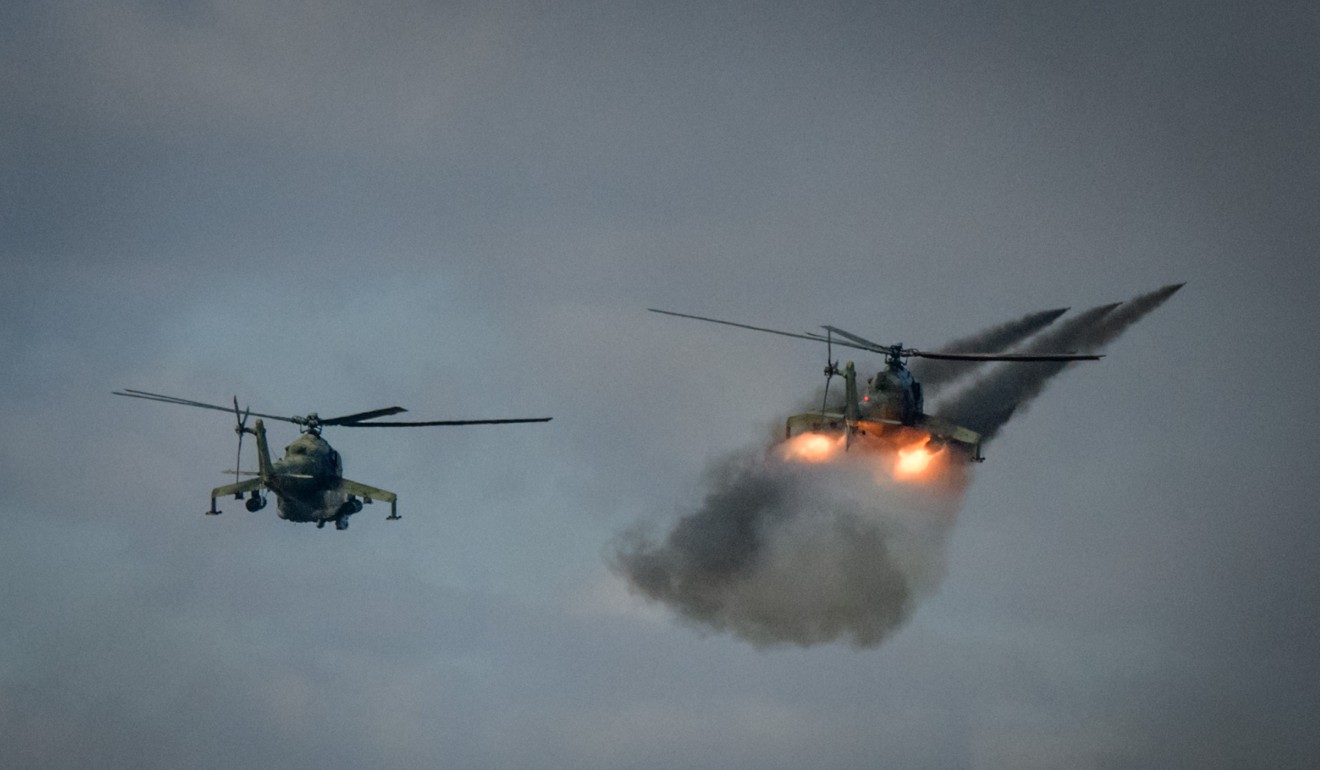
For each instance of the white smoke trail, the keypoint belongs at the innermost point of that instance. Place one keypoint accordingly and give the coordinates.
(935, 373)
(989, 403)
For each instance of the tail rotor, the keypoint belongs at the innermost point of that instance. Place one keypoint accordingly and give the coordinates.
(831, 366)
(240, 428)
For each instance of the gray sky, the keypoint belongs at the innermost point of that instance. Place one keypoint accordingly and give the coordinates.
(465, 208)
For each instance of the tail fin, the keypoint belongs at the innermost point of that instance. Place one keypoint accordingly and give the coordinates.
(264, 467)
(852, 408)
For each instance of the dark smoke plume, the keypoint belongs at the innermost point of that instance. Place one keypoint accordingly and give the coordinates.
(783, 552)
(1129, 313)
(987, 405)
(989, 402)
(934, 373)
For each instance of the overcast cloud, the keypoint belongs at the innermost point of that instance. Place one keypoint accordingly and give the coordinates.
(466, 208)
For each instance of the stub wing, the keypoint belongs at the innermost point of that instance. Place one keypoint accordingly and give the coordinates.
(948, 430)
(251, 485)
(928, 427)
(815, 422)
(834, 422)
(370, 494)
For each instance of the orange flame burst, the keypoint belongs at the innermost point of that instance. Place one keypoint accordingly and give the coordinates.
(811, 448)
(913, 461)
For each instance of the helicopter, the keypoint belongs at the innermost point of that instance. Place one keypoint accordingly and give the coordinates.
(891, 408)
(308, 482)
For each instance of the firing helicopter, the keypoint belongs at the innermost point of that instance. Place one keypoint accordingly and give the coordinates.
(308, 482)
(892, 408)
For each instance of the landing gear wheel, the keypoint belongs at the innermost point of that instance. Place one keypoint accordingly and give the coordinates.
(341, 523)
(254, 503)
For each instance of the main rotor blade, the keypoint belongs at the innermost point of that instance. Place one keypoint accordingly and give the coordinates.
(351, 418)
(811, 337)
(861, 343)
(423, 423)
(970, 356)
(859, 340)
(131, 393)
(1006, 356)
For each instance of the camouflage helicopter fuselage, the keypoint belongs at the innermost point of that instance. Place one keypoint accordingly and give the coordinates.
(890, 409)
(308, 483)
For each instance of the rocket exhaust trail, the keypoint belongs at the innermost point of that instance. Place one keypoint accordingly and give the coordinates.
(988, 404)
(1129, 313)
(934, 373)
